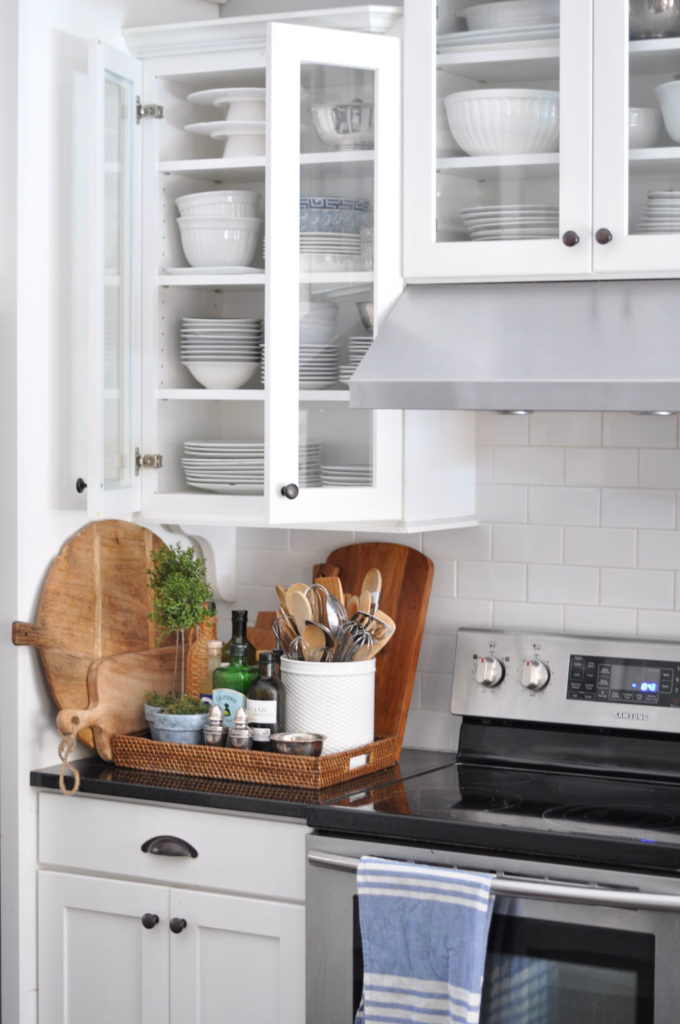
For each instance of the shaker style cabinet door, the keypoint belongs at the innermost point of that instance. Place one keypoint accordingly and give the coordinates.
(115, 283)
(497, 140)
(97, 960)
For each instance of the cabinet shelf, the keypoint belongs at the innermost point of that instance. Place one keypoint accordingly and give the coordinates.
(652, 56)
(644, 161)
(243, 395)
(505, 63)
(529, 165)
(216, 169)
(254, 280)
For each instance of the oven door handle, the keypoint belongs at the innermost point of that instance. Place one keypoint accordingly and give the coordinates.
(625, 898)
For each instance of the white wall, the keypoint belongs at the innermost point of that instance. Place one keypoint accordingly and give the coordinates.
(579, 534)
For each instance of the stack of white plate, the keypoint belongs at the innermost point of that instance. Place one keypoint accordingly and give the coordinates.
(221, 352)
(521, 220)
(237, 467)
(318, 365)
(346, 476)
(329, 250)
(662, 215)
(358, 347)
(244, 126)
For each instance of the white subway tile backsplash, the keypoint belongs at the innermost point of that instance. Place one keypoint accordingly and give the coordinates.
(660, 625)
(470, 542)
(435, 692)
(636, 588)
(599, 467)
(525, 615)
(484, 464)
(447, 614)
(640, 508)
(573, 506)
(625, 429)
(498, 503)
(658, 549)
(444, 579)
(272, 540)
(565, 428)
(589, 545)
(532, 543)
(528, 465)
(436, 653)
(659, 468)
(563, 584)
(320, 541)
(496, 581)
(605, 621)
(496, 428)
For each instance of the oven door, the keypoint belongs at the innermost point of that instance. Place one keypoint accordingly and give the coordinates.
(568, 945)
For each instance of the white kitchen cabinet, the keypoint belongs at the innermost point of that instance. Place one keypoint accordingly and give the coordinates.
(319, 462)
(595, 183)
(172, 938)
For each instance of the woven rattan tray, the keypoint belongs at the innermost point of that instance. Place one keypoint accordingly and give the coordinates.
(135, 751)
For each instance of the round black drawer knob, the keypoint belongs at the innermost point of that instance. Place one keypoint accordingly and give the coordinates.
(570, 238)
(80, 485)
(150, 920)
(177, 925)
(603, 236)
(290, 491)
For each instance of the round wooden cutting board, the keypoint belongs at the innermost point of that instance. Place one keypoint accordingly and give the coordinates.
(94, 603)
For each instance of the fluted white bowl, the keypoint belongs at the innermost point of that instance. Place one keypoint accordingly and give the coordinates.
(668, 95)
(222, 375)
(219, 204)
(644, 127)
(219, 241)
(499, 122)
(512, 14)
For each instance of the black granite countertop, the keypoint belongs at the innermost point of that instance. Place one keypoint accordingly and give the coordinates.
(104, 779)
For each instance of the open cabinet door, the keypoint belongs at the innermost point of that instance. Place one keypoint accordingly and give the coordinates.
(115, 284)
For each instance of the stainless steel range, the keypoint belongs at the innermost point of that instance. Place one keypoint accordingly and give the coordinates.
(566, 786)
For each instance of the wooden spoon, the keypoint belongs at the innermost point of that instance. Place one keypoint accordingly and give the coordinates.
(372, 582)
(281, 594)
(300, 608)
(314, 636)
(301, 587)
(351, 604)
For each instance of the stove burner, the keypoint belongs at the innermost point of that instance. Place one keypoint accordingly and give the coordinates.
(617, 817)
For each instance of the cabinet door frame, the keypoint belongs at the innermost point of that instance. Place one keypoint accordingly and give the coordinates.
(126, 499)
(289, 46)
(425, 259)
(60, 893)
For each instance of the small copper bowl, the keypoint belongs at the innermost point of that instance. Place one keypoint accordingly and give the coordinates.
(308, 744)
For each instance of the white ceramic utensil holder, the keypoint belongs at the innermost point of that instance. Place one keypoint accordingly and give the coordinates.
(333, 698)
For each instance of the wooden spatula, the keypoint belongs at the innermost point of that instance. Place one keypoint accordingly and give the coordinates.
(333, 585)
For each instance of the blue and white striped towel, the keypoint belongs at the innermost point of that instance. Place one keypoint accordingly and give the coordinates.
(424, 933)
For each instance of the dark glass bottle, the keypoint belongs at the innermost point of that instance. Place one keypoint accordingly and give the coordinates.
(265, 703)
(231, 681)
(239, 623)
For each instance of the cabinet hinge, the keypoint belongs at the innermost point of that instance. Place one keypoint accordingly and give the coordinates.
(148, 110)
(147, 461)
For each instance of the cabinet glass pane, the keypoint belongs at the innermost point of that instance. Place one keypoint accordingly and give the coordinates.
(119, 123)
(497, 129)
(337, 181)
(654, 123)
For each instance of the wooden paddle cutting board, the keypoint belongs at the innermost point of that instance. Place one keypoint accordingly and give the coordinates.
(407, 582)
(94, 604)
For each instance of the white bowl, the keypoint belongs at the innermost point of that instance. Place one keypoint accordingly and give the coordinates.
(498, 122)
(219, 204)
(512, 14)
(219, 241)
(668, 95)
(644, 127)
(344, 125)
(222, 375)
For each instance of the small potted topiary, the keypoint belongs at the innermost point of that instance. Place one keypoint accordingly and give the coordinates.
(177, 579)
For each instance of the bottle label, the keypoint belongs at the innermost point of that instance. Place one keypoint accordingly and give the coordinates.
(230, 701)
(260, 733)
(261, 712)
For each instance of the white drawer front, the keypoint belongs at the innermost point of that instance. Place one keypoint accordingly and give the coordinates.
(236, 853)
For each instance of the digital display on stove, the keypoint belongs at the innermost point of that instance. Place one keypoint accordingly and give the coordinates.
(623, 681)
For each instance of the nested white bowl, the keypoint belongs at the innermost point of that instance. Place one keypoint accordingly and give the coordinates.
(344, 125)
(512, 14)
(222, 375)
(668, 95)
(500, 122)
(219, 241)
(644, 127)
(219, 204)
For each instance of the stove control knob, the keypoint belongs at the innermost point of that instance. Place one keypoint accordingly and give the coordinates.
(489, 671)
(535, 675)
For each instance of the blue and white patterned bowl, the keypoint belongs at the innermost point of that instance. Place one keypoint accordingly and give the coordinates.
(332, 213)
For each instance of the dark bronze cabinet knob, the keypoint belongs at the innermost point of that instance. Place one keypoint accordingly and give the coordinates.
(150, 920)
(290, 491)
(80, 485)
(177, 925)
(570, 238)
(603, 236)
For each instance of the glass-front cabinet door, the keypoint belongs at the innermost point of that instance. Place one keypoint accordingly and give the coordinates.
(498, 128)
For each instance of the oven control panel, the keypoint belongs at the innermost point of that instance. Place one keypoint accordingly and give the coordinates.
(555, 678)
(624, 681)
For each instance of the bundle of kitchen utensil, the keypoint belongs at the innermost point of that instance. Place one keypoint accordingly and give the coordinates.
(320, 622)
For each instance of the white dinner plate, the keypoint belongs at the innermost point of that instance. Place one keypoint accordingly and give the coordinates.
(231, 95)
(229, 128)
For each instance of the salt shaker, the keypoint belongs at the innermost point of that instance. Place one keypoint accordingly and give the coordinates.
(214, 730)
(239, 733)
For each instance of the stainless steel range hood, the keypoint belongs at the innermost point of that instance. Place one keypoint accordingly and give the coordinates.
(581, 345)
